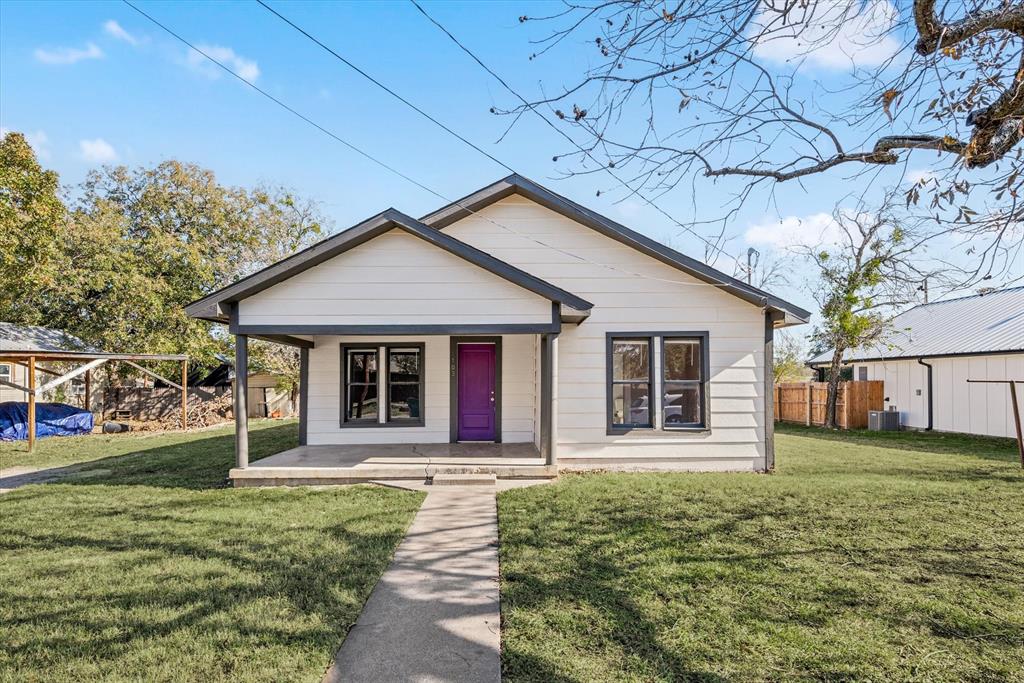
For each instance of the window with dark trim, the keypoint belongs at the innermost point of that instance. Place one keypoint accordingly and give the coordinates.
(630, 389)
(683, 376)
(382, 385)
(671, 385)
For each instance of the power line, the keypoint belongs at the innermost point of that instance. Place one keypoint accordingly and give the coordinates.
(383, 87)
(390, 168)
(565, 135)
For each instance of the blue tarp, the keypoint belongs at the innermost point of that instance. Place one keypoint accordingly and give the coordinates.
(52, 419)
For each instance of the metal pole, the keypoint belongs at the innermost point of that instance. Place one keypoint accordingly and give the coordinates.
(31, 402)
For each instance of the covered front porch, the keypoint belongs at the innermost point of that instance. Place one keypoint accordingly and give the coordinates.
(359, 463)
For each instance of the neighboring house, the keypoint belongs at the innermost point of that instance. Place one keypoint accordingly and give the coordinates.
(518, 316)
(942, 345)
(30, 338)
(15, 374)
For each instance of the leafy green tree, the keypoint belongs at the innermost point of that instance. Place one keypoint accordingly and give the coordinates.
(874, 267)
(148, 241)
(32, 230)
(790, 358)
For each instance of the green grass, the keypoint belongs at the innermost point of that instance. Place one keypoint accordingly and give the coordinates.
(140, 566)
(867, 557)
(60, 451)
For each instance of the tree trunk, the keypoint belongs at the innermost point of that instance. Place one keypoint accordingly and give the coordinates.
(833, 388)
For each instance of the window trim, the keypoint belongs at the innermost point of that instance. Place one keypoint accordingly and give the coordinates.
(383, 384)
(10, 371)
(610, 339)
(705, 372)
(657, 381)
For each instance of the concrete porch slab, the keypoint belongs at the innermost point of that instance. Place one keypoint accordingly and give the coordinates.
(353, 464)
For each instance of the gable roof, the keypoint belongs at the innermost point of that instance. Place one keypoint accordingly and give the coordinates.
(517, 184)
(35, 338)
(982, 323)
(208, 308)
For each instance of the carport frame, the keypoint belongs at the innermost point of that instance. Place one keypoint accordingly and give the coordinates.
(90, 360)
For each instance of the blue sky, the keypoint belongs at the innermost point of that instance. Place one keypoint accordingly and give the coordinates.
(94, 83)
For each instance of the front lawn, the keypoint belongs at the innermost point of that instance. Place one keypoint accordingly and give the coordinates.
(141, 567)
(866, 557)
(59, 451)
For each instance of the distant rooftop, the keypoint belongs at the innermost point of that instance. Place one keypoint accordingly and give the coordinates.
(992, 322)
(34, 338)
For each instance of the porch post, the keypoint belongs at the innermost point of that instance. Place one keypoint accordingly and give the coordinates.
(548, 397)
(241, 391)
(303, 394)
(769, 392)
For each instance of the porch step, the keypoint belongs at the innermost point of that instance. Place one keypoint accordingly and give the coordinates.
(465, 479)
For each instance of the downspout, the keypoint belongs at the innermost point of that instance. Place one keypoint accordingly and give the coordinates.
(927, 365)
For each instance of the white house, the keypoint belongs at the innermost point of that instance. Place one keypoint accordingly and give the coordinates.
(932, 352)
(512, 317)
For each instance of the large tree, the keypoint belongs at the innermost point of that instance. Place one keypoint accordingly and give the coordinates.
(693, 91)
(150, 240)
(33, 224)
(136, 245)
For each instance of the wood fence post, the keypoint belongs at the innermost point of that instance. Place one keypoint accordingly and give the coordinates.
(184, 395)
(810, 386)
(31, 402)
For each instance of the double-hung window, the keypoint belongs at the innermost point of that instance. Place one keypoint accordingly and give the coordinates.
(631, 395)
(382, 385)
(682, 382)
(657, 380)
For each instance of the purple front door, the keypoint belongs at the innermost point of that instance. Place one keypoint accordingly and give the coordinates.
(477, 407)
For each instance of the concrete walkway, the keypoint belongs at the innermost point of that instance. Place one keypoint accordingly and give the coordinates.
(434, 614)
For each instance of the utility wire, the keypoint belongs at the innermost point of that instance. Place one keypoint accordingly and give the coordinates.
(565, 135)
(383, 87)
(390, 168)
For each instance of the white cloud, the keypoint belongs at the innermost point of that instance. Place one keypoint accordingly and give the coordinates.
(246, 68)
(97, 151)
(68, 55)
(832, 34)
(115, 30)
(38, 140)
(793, 231)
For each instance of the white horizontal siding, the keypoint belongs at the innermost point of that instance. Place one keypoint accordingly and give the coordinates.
(394, 279)
(518, 393)
(958, 405)
(632, 292)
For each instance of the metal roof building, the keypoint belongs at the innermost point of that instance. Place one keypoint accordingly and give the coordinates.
(946, 365)
(978, 324)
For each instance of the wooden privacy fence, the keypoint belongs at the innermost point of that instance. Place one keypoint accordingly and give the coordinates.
(804, 402)
(151, 403)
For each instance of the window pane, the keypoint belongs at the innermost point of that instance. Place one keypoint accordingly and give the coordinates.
(5, 371)
(682, 359)
(630, 360)
(362, 403)
(682, 404)
(630, 404)
(404, 365)
(362, 366)
(405, 401)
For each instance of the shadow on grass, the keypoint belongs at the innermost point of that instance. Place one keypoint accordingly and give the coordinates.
(206, 584)
(198, 462)
(650, 581)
